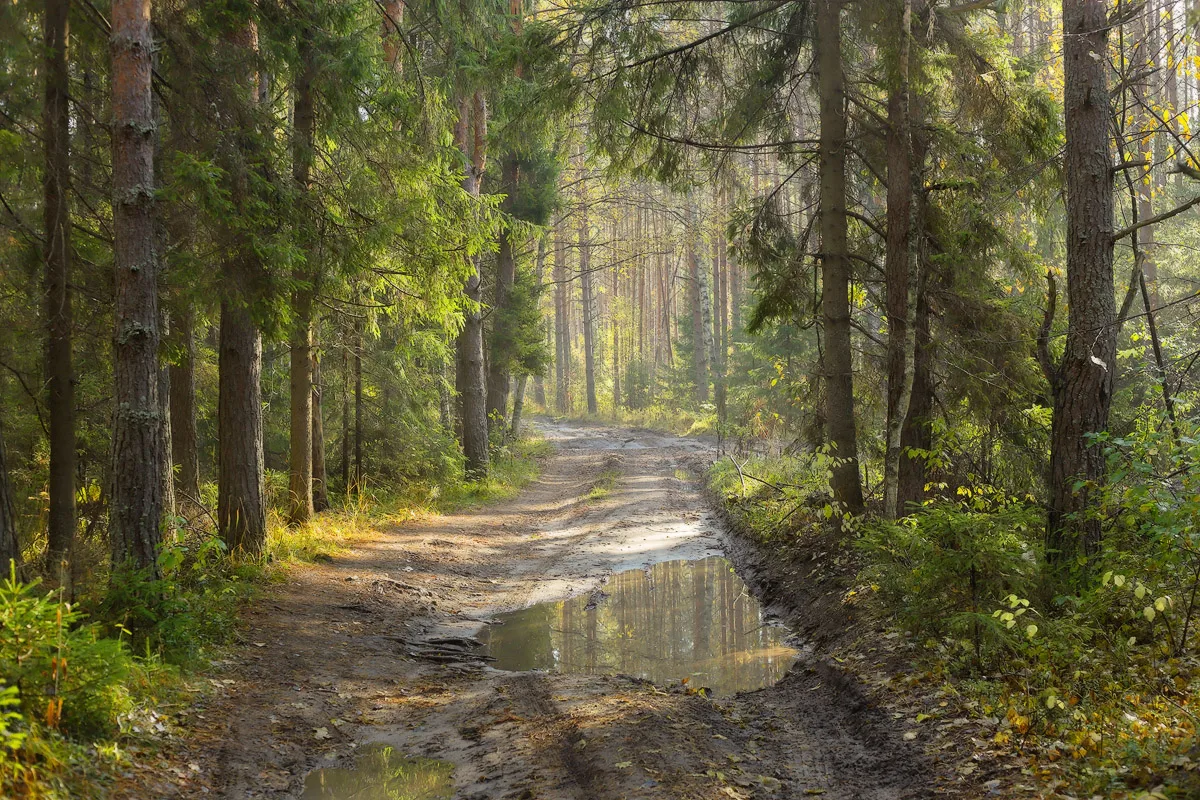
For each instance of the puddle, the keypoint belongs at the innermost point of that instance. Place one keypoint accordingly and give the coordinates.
(382, 774)
(674, 620)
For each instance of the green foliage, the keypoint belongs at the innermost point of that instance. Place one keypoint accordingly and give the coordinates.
(945, 568)
(65, 671)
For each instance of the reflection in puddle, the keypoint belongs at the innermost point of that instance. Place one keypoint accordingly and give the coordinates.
(381, 774)
(674, 620)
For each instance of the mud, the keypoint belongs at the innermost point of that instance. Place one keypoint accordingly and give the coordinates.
(380, 647)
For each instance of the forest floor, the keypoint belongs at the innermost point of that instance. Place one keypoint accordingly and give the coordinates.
(367, 648)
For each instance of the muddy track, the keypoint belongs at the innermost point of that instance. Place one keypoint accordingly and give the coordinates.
(370, 649)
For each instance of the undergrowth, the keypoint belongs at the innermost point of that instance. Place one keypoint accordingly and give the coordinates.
(82, 683)
(1093, 679)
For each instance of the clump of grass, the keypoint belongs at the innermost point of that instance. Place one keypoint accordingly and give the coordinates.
(605, 483)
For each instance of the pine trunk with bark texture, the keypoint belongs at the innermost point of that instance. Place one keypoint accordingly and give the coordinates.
(136, 505)
(835, 260)
(59, 376)
(300, 449)
(1082, 382)
(241, 480)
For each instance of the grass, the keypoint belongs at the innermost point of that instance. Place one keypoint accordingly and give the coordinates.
(656, 418)
(145, 654)
(605, 483)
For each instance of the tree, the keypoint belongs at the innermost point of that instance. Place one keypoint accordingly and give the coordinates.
(470, 134)
(10, 548)
(136, 508)
(835, 258)
(59, 380)
(300, 451)
(241, 480)
(1081, 382)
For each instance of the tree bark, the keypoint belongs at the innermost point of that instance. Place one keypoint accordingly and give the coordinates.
(10, 548)
(518, 406)
(500, 362)
(320, 480)
(696, 302)
(184, 437)
(358, 409)
(471, 377)
(136, 505)
(241, 481)
(1082, 383)
(300, 451)
(835, 261)
(905, 213)
(589, 305)
(562, 352)
(59, 376)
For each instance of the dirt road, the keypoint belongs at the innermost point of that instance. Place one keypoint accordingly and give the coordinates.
(373, 648)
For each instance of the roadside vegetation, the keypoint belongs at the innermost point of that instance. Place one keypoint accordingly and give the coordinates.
(90, 685)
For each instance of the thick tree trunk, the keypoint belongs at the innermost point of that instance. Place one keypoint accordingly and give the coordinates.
(1082, 383)
(184, 437)
(320, 480)
(10, 548)
(241, 481)
(300, 459)
(59, 386)
(135, 510)
(589, 308)
(241, 496)
(471, 377)
(835, 261)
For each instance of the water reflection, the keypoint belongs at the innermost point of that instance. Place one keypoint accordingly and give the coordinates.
(674, 620)
(381, 774)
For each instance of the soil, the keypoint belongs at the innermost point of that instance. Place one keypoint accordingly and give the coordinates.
(374, 647)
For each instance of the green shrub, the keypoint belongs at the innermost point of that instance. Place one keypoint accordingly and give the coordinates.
(65, 671)
(947, 568)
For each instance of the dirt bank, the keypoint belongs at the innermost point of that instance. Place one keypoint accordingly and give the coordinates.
(369, 649)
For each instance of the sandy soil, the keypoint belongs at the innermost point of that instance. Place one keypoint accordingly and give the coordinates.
(366, 649)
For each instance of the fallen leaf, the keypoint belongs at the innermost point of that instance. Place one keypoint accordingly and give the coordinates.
(322, 733)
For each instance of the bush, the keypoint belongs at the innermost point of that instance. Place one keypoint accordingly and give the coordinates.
(65, 672)
(949, 567)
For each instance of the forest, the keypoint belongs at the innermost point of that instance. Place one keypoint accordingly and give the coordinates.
(374, 373)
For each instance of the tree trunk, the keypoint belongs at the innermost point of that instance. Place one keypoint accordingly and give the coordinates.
(500, 363)
(589, 305)
(539, 381)
(10, 548)
(320, 480)
(616, 334)
(241, 496)
(903, 269)
(59, 386)
(346, 418)
(358, 409)
(835, 261)
(241, 482)
(696, 301)
(135, 509)
(1082, 383)
(471, 377)
(518, 407)
(300, 450)
(562, 352)
(184, 438)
